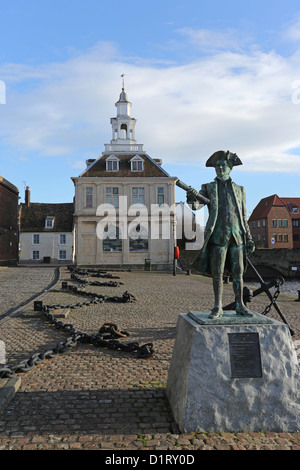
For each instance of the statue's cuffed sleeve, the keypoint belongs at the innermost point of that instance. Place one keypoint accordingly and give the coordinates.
(196, 204)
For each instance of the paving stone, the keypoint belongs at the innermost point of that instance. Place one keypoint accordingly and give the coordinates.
(96, 398)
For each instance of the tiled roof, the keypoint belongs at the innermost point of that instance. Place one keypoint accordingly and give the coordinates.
(292, 202)
(263, 207)
(33, 217)
(151, 167)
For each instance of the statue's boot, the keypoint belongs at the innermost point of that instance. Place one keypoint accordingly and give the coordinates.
(217, 311)
(240, 307)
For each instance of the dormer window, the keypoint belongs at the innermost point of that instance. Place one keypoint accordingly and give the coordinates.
(49, 222)
(137, 163)
(112, 163)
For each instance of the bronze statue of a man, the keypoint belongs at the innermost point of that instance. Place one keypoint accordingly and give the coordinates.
(227, 238)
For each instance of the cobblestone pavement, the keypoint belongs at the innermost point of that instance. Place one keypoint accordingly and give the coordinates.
(95, 398)
(19, 284)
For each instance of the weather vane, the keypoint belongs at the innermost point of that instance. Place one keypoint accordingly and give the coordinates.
(123, 83)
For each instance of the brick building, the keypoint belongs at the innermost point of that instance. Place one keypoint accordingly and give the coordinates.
(293, 205)
(9, 198)
(275, 223)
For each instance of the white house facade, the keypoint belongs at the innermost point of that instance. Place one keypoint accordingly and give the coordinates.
(123, 203)
(46, 247)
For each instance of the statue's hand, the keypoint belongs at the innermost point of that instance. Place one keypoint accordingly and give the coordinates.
(250, 247)
(191, 195)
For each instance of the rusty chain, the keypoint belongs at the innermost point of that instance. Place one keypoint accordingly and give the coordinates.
(274, 298)
(93, 273)
(84, 282)
(108, 335)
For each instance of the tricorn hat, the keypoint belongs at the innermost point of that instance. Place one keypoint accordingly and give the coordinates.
(232, 158)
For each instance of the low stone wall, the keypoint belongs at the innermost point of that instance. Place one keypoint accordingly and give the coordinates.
(280, 259)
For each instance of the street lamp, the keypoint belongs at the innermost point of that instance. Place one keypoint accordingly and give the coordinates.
(173, 222)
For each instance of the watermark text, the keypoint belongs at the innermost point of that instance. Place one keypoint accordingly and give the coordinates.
(296, 93)
(2, 92)
(137, 222)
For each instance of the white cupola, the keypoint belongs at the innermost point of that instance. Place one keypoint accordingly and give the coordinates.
(123, 105)
(123, 128)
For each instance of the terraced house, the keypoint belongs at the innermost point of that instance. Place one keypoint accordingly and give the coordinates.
(46, 232)
(115, 197)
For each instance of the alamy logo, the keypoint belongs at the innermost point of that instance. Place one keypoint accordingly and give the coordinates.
(296, 93)
(137, 222)
(2, 92)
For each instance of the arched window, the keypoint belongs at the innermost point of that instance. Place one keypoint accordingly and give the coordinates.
(112, 241)
(123, 131)
(138, 238)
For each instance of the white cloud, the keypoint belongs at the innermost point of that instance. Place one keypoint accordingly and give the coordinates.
(234, 100)
(79, 165)
(208, 40)
(292, 31)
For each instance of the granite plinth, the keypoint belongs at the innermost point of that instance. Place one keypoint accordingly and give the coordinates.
(234, 376)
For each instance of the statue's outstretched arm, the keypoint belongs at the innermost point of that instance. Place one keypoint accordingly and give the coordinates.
(192, 194)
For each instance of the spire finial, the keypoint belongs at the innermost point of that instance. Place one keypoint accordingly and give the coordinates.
(123, 82)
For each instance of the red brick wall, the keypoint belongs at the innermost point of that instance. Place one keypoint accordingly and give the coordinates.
(280, 213)
(283, 235)
(259, 232)
(296, 234)
(8, 225)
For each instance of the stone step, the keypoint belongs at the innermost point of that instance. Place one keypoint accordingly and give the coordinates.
(8, 389)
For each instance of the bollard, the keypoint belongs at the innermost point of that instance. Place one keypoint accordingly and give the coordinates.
(37, 306)
(147, 265)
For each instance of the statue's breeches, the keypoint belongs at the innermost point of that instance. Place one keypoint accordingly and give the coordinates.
(230, 253)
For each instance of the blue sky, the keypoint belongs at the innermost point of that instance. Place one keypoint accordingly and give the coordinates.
(201, 75)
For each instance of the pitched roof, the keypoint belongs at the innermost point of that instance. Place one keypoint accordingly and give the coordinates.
(33, 217)
(151, 167)
(263, 207)
(291, 203)
(9, 185)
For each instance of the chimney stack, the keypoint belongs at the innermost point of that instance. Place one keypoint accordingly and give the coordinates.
(27, 196)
